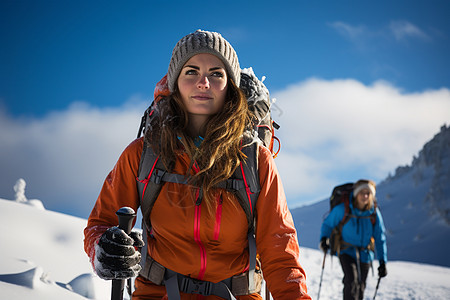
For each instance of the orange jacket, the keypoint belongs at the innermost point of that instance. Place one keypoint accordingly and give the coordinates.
(205, 246)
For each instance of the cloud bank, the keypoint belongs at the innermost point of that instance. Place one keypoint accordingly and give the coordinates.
(342, 130)
(331, 131)
(65, 156)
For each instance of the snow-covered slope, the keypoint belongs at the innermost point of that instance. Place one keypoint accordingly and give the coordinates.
(42, 258)
(415, 203)
(42, 255)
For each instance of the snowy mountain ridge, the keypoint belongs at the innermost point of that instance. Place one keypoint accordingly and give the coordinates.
(435, 155)
(414, 202)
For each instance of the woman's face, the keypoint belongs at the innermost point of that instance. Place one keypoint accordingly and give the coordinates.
(363, 199)
(203, 84)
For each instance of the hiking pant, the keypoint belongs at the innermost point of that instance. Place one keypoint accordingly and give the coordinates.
(353, 286)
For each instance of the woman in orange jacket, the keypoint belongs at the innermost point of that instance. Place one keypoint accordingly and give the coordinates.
(198, 231)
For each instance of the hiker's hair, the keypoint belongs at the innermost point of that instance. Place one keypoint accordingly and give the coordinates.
(219, 153)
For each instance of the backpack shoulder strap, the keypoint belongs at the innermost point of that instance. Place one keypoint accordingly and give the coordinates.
(347, 212)
(373, 216)
(244, 183)
(149, 184)
(247, 196)
(247, 172)
(151, 172)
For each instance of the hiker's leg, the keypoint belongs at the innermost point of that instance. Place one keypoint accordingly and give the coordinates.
(350, 280)
(364, 271)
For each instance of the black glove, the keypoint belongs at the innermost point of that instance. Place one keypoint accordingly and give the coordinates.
(116, 256)
(382, 272)
(324, 244)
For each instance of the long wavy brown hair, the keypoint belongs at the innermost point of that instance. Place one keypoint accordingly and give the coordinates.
(219, 154)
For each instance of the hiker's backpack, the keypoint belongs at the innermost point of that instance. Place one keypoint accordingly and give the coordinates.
(259, 103)
(341, 194)
(244, 183)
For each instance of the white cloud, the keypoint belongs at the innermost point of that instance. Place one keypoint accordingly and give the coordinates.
(403, 30)
(341, 130)
(348, 30)
(331, 131)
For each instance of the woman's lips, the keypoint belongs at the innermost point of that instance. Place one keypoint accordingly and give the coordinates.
(202, 97)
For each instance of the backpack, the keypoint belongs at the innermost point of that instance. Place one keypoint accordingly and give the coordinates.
(341, 194)
(244, 183)
(259, 103)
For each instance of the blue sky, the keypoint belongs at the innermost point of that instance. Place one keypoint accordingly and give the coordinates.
(355, 82)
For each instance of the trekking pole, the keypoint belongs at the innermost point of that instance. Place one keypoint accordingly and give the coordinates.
(376, 289)
(125, 216)
(321, 274)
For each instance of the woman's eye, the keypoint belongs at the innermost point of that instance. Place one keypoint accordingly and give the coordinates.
(191, 72)
(217, 74)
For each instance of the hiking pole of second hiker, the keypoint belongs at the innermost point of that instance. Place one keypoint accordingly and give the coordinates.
(376, 289)
(125, 216)
(321, 274)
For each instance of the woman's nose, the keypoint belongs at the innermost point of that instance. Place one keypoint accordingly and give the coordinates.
(203, 82)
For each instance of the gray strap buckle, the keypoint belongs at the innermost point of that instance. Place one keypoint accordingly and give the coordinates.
(193, 286)
(157, 176)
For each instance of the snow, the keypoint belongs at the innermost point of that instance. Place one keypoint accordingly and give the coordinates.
(405, 280)
(43, 258)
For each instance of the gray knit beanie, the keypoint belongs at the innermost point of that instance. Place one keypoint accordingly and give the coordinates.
(202, 42)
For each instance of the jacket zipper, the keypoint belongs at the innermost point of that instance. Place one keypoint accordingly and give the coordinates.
(198, 210)
(218, 217)
(197, 238)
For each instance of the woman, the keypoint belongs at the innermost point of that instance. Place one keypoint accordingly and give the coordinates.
(356, 251)
(198, 231)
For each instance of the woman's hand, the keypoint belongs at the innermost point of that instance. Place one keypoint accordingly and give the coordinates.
(116, 256)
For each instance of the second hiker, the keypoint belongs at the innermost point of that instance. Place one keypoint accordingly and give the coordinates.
(354, 226)
(198, 242)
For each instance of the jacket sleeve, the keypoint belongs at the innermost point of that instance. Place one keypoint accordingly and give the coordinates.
(332, 220)
(119, 189)
(276, 237)
(380, 238)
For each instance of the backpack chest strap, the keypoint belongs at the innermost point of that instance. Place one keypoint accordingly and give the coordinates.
(175, 283)
(160, 176)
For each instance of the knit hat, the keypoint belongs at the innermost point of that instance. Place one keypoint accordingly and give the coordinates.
(364, 184)
(202, 42)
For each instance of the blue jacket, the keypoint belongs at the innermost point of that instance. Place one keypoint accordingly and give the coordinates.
(358, 231)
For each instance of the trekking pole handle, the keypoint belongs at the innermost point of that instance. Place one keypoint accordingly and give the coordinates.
(126, 216)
